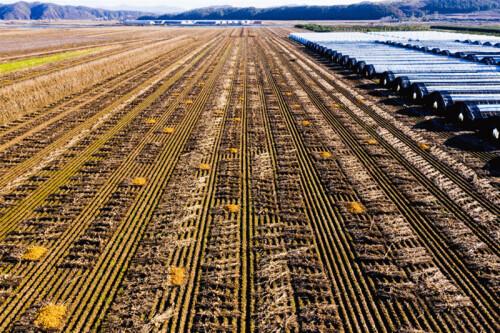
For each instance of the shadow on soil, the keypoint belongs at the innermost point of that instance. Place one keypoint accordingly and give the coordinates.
(415, 112)
(493, 167)
(469, 142)
(435, 124)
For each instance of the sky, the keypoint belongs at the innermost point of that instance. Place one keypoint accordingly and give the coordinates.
(187, 4)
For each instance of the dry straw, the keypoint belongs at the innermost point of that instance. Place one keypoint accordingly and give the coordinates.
(34, 253)
(177, 275)
(139, 181)
(51, 316)
(424, 146)
(204, 166)
(232, 208)
(356, 207)
(325, 154)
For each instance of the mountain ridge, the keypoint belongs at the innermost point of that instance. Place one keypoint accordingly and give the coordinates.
(358, 11)
(48, 11)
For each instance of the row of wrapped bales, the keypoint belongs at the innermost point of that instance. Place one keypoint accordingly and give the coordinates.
(478, 53)
(431, 35)
(478, 42)
(471, 113)
(465, 91)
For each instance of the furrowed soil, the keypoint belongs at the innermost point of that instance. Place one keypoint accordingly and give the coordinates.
(228, 180)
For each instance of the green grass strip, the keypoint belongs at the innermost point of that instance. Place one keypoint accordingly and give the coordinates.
(38, 61)
(361, 28)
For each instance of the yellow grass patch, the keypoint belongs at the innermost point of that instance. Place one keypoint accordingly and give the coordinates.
(372, 142)
(204, 166)
(233, 150)
(356, 207)
(325, 154)
(150, 121)
(51, 316)
(424, 146)
(237, 119)
(169, 130)
(232, 208)
(34, 253)
(306, 123)
(139, 181)
(177, 275)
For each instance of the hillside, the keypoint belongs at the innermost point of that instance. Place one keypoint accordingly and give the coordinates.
(49, 11)
(360, 11)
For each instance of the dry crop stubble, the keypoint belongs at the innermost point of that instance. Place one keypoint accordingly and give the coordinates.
(241, 187)
(19, 99)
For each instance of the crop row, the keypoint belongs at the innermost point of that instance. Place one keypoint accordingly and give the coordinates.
(342, 120)
(144, 118)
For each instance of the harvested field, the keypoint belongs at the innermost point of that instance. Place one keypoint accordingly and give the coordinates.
(227, 180)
